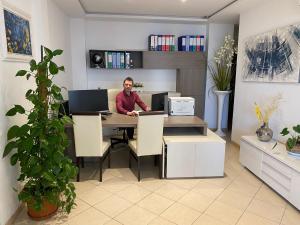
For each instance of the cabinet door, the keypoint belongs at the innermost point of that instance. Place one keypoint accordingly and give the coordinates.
(251, 157)
(180, 159)
(209, 159)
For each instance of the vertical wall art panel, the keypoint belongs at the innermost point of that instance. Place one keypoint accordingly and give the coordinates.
(273, 56)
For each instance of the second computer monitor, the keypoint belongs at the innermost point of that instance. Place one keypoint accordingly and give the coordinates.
(158, 101)
(88, 100)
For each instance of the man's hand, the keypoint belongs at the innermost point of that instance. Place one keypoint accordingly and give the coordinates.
(133, 113)
(148, 108)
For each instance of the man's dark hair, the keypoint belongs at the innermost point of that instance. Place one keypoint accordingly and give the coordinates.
(129, 79)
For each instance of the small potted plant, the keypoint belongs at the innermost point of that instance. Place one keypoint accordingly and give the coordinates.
(138, 86)
(293, 142)
(38, 145)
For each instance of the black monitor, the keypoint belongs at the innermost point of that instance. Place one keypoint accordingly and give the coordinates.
(88, 100)
(158, 101)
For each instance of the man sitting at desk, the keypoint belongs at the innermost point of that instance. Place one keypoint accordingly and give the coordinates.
(126, 100)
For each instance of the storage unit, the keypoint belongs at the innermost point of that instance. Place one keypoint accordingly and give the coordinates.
(192, 155)
(274, 166)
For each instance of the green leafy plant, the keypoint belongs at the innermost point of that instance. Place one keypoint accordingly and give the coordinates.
(294, 139)
(39, 144)
(138, 84)
(220, 69)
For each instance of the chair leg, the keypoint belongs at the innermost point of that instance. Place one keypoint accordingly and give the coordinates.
(100, 169)
(139, 167)
(109, 152)
(82, 162)
(156, 160)
(159, 166)
(78, 165)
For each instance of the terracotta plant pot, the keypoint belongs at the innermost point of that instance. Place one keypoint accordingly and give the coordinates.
(48, 209)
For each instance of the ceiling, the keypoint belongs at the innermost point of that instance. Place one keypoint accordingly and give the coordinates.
(222, 11)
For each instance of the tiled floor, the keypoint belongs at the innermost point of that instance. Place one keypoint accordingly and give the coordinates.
(238, 198)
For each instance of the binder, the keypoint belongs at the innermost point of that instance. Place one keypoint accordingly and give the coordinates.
(187, 43)
(155, 43)
(118, 60)
(163, 43)
(191, 43)
(122, 60)
(198, 43)
(106, 59)
(151, 43)
(168, 42)
(202, 43)
(173, 43)
(182, 43)
(110, 59)
(114, 60)
(127, 60)
(159, 43)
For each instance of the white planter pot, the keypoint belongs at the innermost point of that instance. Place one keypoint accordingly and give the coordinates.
(221, 96)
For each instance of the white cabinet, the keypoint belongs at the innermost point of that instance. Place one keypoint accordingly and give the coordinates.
(194, 155)
(273, 165)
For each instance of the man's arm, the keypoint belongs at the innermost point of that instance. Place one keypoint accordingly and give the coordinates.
(141, 103)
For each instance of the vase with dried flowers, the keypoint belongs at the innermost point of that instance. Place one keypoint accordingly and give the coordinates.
(264, 133)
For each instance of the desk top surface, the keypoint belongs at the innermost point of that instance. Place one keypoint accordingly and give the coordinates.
(120, 120)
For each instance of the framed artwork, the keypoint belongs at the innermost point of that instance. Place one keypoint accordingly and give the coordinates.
(273, 56)
(16, 41)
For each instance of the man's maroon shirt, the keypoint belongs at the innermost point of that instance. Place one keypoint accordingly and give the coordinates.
(125, 103)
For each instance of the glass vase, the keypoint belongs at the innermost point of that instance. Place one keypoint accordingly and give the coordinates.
(264, 133)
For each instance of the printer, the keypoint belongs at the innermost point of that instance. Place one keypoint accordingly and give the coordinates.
(181, 106)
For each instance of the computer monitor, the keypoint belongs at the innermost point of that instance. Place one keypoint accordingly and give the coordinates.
(158, 101)
(88, 100)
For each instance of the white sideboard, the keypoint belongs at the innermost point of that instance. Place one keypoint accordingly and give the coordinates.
(194, 155)
(274, 166)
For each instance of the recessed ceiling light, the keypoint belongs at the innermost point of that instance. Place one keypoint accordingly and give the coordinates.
(183, 1)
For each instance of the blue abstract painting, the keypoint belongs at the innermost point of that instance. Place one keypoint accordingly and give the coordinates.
(273, 56)
(17, 30)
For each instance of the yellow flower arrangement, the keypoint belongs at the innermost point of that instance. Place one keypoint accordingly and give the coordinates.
(264, 116)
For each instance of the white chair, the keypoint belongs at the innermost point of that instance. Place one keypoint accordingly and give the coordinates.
(149, 139)
(89, 140)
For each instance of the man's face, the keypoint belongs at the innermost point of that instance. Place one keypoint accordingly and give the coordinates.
(127, 85)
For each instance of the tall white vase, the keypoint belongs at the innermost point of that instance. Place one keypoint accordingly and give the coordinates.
(221, 96)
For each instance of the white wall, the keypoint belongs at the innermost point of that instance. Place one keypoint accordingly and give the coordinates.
(59, 37)
(13, 89)
(216, 36)
(117, 35)
(96, 34)
(265, 17)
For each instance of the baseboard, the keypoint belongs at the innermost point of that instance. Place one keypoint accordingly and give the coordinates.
(13, 218)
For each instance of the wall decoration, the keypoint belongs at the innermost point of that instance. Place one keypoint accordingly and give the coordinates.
(15, 34)
(273, 56)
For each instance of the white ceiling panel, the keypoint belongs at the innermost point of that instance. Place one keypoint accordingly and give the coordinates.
(174, 8)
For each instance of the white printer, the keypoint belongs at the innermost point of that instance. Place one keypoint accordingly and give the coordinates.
(181, 106)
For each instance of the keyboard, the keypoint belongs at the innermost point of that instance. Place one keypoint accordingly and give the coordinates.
(103, 117)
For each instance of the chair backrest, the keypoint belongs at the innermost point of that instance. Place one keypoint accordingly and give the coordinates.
(112, 94)
(150, 134)
(88, 134)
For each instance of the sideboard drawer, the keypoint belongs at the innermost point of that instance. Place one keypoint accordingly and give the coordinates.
(277, 165)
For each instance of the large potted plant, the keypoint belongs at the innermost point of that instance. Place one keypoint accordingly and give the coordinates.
(221, 73)
(38, 145)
